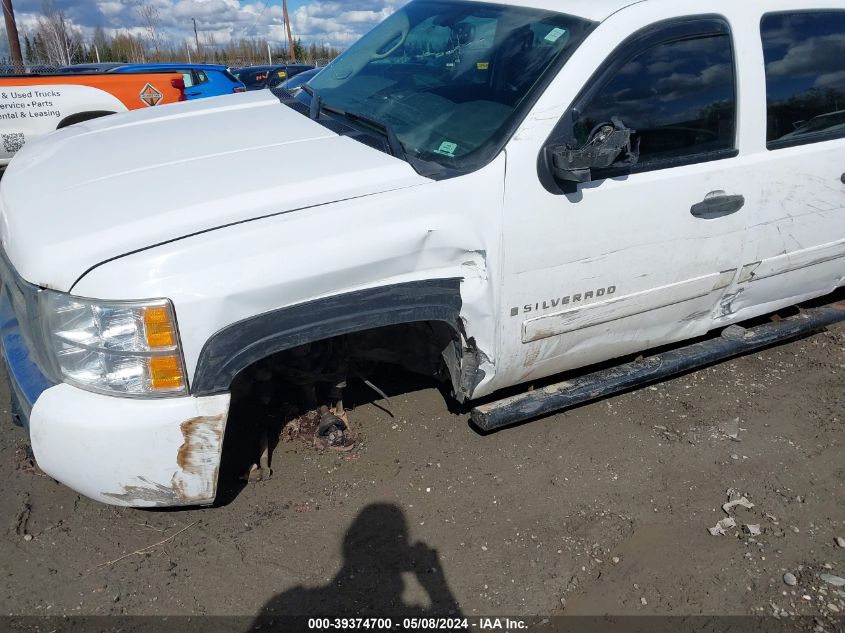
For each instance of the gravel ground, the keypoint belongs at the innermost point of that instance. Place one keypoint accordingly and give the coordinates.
(602, 509)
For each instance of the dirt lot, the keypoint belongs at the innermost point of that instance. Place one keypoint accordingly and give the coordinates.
(603, 509)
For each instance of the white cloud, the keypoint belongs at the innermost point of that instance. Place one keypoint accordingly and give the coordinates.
(321, 21)
(340, 23)
(822, 54)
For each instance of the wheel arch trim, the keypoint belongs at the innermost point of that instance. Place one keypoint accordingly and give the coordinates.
(236, 347)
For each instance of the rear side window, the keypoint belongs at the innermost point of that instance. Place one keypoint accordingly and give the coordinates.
(679, 96)
(805, 77)
(202, 78)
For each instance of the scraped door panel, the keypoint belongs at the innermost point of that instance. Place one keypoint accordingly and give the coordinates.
(631, 262)
(796, 245)
(623, 269)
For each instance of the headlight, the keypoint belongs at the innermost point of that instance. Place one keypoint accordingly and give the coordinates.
(116, 348)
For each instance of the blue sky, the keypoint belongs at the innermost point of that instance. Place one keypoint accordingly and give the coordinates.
(335, 22)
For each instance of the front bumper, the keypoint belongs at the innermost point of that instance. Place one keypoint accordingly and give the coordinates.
(121, 451)
(138, 453)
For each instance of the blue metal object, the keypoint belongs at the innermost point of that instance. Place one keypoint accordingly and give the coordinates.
(27, 380)
(201, 80)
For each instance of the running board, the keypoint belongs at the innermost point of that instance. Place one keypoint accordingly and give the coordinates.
(735, 341)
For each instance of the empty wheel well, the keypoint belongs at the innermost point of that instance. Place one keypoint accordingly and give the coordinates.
(81, 117)
(320, 369)
(293, 392)
(360, 314)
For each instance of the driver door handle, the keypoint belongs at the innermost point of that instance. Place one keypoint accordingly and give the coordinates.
(717, 206)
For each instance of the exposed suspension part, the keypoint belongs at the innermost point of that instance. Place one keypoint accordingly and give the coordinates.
(299, 393)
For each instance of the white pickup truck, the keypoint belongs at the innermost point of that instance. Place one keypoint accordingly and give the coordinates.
(493, 193)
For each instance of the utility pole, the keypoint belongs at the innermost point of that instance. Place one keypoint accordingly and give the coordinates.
(269, 54)
(196, 36)
(291, 54)
(12, 33)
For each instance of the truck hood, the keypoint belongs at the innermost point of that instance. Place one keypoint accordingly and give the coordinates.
(99, 190)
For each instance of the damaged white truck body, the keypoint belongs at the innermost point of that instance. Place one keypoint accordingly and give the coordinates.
(493, 193)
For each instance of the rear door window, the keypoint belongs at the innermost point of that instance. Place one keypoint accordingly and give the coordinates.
(188, 77)
(679, 97)
(805, 77)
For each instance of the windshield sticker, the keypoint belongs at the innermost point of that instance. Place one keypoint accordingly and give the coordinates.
(447, 149)
(555, 34)
(483, 65)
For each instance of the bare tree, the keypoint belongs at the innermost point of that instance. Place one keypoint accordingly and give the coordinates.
(209, 46)
(125, 47)
(100, 41)
(62, 42)
(152, 24)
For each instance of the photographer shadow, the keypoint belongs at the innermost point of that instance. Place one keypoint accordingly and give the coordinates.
(376, 553)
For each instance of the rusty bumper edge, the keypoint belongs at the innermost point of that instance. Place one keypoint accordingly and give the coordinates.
(131, 452)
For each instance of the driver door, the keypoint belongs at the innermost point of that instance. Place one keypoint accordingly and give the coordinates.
(635, 257)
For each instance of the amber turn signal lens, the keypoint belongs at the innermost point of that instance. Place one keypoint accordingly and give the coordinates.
(159, 327)
(166, 373)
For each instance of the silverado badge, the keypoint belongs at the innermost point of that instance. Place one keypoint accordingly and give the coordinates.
(571, 301)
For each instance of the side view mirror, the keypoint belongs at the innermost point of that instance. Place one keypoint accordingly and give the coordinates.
(607, 143)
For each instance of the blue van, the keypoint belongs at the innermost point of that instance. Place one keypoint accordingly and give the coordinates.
(201, 80)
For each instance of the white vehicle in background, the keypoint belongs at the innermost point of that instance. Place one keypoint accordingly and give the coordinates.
(492, 193)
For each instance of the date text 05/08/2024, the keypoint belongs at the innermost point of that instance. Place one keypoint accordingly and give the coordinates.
(417, 624)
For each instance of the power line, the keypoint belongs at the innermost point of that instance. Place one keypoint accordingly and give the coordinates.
(258, 19)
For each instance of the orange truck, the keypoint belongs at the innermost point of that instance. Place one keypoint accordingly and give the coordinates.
(34, 105)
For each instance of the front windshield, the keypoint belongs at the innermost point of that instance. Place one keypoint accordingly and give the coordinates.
(450, 78)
